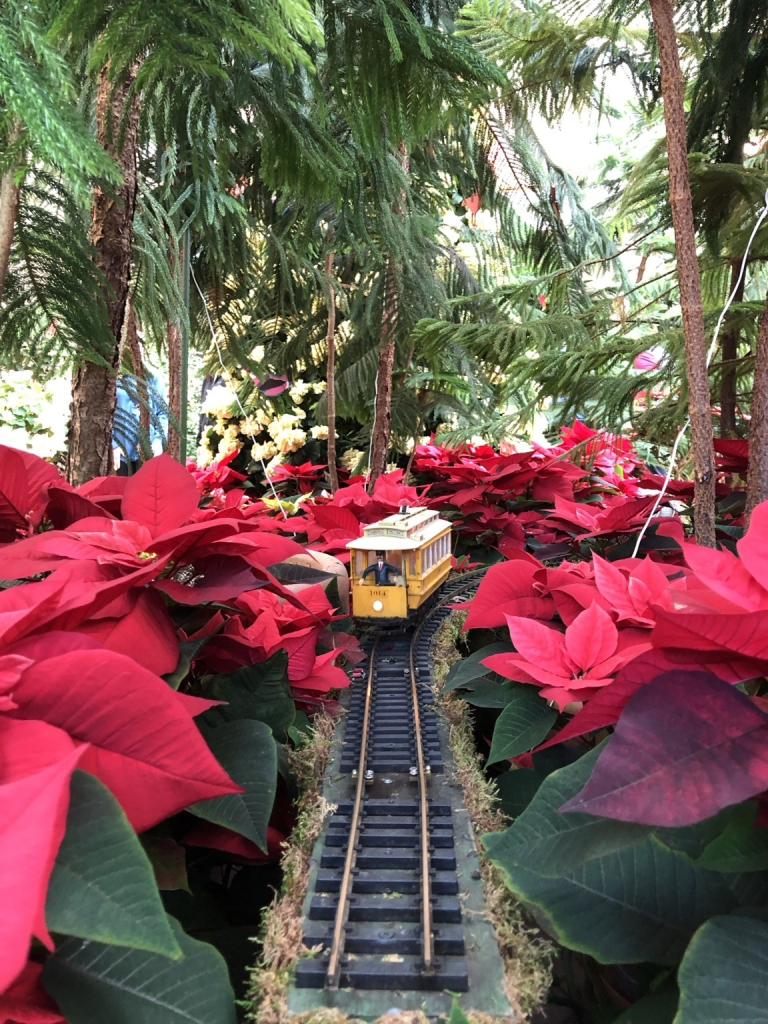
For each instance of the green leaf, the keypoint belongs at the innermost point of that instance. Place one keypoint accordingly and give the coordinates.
(258, 692)
(93, 984)
(490, 694)
(523, 724)
(457, 1014)
(740, 847)
(188, 649)
(517, 788)
(694, 839)
(724, 974)
(550, 843)
(467, 671)
(641, 903)
(657, 1007)
(168, 860)
(301, 729)
(247, 751)
(103, 886)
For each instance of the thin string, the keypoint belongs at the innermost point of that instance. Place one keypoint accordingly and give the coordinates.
(681, 432)
(228, 376)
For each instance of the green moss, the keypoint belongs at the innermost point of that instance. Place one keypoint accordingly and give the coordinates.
(526, 954)
(282, 930)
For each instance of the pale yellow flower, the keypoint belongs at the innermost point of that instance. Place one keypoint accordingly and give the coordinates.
(290, 440)
(219, 401)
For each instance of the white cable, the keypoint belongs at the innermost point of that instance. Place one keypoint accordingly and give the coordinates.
(228, 376)
(710, 354)
(373, 427)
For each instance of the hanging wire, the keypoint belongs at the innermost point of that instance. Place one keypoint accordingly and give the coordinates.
(228, 376)
(681, 432)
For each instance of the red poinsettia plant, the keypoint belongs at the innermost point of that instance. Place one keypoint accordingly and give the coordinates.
(631, 708)
(153, 656)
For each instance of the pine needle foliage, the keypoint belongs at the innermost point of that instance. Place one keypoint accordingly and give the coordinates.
(53, 309)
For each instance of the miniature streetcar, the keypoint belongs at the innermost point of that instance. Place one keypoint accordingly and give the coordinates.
(398, 564)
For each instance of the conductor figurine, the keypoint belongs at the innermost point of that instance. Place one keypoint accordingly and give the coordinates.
(381, 570)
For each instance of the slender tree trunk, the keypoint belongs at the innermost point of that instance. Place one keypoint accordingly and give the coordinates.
(10, 191)
(134, 346)
(730, 353)
(174, 390)
(688, 273)
(111, 234)
(757, 479)
(333, 469)
(382, 424)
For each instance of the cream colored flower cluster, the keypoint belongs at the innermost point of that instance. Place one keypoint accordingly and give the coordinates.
(286, 433)
(285, 430)
(219, 401)
(301, 388)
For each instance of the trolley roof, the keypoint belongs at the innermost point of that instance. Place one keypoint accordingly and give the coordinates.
(405, 531)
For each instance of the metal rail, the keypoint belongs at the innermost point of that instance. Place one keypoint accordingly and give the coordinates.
(342, 913)
(427, 945)
(333, 973)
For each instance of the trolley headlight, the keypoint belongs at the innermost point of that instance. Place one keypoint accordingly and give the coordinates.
(378, 606)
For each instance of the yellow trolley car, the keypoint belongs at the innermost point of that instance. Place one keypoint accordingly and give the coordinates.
(398, 564)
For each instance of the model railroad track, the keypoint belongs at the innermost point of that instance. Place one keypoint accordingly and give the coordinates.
(385, 910)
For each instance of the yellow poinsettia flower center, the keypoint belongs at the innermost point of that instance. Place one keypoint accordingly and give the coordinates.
(146, 555)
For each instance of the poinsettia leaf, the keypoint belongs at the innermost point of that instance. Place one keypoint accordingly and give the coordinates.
(470, 669)
(507, 589)
(740, 847)
(102, 886)
(248, 752)
(36, 765)
(25, 1002)
(693, 840)
(332, 517)
(744, 633)
(168, 860)
(724, 974)
(162, 495)
(188, 650)
(66, 506)
(146, 633)
(517, 788)
(752, 545)
(642, 903)
(592, 637)
(14, 490)
(490, 694)
(550, 843)
(686, 746)
(523, 723)
(107, 699)
(94, 983)
(223, 578)
(290, 572)
(657, 1007)
(259, 692)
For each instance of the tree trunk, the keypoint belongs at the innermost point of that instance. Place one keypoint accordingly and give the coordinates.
(688, 273)
(333, 470)
(174, 391)
(730, 354)
(757, 479)
(382, 423)
(10, 191)
(134, 346)
(111, 233)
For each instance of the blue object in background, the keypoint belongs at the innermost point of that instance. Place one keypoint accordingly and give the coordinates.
(126, 428)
